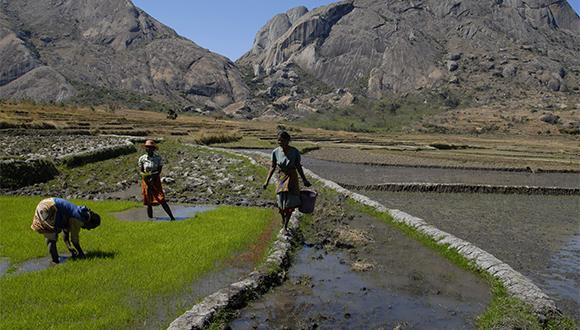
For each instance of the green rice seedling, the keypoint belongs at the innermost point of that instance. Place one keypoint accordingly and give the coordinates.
(132, 271)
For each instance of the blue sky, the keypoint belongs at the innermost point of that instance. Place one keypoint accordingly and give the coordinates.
(227, 27)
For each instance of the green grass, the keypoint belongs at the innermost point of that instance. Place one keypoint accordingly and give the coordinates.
(137, 268)
(390, 114)
(504, 311)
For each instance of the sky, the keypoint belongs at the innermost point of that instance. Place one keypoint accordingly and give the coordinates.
(227, 27)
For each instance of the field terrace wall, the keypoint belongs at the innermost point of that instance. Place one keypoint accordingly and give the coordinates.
(460, 167)
(18, 173)
(234, 296)
(15, 174)
(516, 284)
(92, 156)
(465, 188)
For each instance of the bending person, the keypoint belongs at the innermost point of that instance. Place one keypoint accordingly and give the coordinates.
(150, 166)
(287, 159)
(54, 215)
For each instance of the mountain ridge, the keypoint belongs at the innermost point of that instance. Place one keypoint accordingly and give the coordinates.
(111, 45)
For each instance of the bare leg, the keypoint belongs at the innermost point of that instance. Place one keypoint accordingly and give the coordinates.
(287, 215)
(168, 211)
(283, 215)
(52, 250)
(150, 211)
(286, 220)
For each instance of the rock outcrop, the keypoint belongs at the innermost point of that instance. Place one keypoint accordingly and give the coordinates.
(399, 46)
(51, 50)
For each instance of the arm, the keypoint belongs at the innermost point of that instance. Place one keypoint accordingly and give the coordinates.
(74, 232)
(301, 173)
(51, 243)
(66, 238)
(270, 173)
(300, 170)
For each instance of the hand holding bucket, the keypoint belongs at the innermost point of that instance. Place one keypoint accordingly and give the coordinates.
(308, 198)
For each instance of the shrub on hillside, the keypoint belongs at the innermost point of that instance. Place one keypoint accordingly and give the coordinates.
(208, 138)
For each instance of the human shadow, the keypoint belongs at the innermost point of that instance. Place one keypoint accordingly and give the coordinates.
(98, 254)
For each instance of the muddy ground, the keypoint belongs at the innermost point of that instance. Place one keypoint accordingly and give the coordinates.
(536, 235)
(52, 146)
(550, 157)
(356, 271)
(191, 174)
(359, 174)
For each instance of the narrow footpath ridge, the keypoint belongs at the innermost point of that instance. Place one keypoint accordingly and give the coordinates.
(465, 188)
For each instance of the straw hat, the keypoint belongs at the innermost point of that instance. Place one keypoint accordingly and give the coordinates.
(150, 144)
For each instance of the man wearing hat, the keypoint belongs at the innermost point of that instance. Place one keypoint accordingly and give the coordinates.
(150, 166)
(54, 215)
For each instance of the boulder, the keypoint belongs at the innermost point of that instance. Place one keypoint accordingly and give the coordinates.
(305, 108)
(550, 118)
(454, 56)
(241, 108)
(554, 84)
(452, 66)
(346, 100)
(510, 71)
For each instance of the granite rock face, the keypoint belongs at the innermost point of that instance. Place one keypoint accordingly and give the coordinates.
(52, 48)
(396, 46)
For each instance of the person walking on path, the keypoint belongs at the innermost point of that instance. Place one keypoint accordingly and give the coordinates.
(150, 166)
(54, 215)
(287, 159)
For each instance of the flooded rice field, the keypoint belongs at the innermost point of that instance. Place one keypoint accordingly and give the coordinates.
(405, 284)
(369, 174)
(536, 235)
(180, 212)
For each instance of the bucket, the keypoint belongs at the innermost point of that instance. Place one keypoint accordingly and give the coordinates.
(308, 198)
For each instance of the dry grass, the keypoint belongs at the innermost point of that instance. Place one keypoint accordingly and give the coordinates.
(362, 266)
(511, 150)
(352, 237)
(209, 138)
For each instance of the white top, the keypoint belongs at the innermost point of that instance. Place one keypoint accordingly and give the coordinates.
(150, 164)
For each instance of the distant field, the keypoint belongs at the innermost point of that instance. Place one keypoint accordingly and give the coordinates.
(491, 148)
(136, 266)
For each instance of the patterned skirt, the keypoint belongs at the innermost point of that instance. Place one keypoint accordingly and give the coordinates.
(44, 220)
(152, 191)
(288, 190)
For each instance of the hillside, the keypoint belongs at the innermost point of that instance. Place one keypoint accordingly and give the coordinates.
(440, 53)
(110, 50)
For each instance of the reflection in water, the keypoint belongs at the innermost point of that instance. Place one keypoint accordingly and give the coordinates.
(333, 296)
(4, 265)
(180, 212)
(564, 276)
(184, 213)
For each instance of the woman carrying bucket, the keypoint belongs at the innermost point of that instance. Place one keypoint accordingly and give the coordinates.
(150, 166)
(287, 159)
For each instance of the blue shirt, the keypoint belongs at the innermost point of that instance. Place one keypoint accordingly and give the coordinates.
(66, 210)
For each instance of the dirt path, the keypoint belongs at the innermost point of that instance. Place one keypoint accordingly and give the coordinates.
(357, 272)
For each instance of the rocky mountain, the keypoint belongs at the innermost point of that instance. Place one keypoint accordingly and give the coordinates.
(54, 50)
(488, 51)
